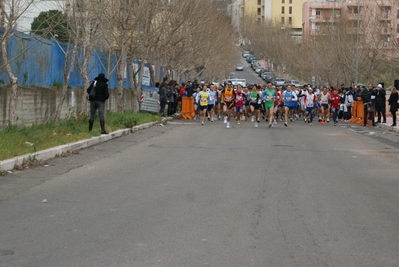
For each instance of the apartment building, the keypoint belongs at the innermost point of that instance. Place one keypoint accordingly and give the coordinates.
(377, 19)
(285, 13)
(254, 9)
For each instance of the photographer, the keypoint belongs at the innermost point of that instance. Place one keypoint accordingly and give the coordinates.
(368, 107)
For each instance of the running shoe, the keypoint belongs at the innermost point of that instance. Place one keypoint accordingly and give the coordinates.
(256, 125)
(252, 118)
(311, 124)
(270, 125)
(275, 121)
(285, 124)
(328, 120)
(209, 118)
(258, 121)
(225, 119)
(202, 122)
(323, 122)
(212, 120)
(290, 120)
(228, 125)
(238, 122)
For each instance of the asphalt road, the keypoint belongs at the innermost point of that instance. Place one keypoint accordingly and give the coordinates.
(192, 195)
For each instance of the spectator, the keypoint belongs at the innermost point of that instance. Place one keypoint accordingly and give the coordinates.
(177, 98)
(170, 94)
(393, 103)
(349, 97)
(380, 104)
(189, 90)
(162, 96)
(98, 103)
(365, 94)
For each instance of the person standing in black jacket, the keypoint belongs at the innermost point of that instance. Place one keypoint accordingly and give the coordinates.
(393, 103)
(368, 108)
(163, 99)
(98, 103)
(380, 103)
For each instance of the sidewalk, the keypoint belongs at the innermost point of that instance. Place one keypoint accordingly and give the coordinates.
(388, 124)
(43, 155)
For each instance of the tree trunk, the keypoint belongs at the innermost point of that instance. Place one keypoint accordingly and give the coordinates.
(86, 82)
(67, 75)
(136, 90)
(121, 76)
(12, 117)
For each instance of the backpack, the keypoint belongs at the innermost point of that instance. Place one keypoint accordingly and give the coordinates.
(169, 91)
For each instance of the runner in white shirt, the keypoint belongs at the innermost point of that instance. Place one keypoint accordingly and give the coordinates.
(310, 101)
(324, 100)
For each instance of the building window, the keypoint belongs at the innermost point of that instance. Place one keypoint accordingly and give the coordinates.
(290, 20)
(283, 1)
(282, 10)
(355, 10)
(290, 1)
(290, 10)
(318, 12)
(282, 21)
(259, 2)
(259, 11)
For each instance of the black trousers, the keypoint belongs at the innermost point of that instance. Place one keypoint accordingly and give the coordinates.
(393, 118)
(94, 106)
(171, 108)
(381, 110)
(368, 112)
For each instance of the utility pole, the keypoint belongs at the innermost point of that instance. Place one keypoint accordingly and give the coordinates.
(357, 44)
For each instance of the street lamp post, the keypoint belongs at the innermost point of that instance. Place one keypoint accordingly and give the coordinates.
(357, 44)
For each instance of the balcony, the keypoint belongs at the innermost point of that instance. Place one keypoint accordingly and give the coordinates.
(385, 16)
(354, 31)
(353, 16)
(386, 31)
(354, 3)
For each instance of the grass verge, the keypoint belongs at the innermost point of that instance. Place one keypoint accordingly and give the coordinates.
(20, 140)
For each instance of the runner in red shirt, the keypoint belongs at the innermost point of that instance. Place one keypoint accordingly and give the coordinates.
(278, 101)
(239, 103)
(335, 104)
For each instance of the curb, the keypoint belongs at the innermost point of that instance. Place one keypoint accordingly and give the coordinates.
(388, 127)
(10, 164)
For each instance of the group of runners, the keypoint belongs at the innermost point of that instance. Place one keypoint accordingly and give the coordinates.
(269, 102)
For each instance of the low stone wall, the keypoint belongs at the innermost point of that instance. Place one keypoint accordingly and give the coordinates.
(38, 105)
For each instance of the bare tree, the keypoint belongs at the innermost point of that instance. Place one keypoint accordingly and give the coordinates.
(11, 11)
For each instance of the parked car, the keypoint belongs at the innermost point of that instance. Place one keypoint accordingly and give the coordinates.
(250, 58)
(255, 65)
(263, 72)
(245, 53)
(259, 70)
(268, 77)
(240, 67)
(279, 82)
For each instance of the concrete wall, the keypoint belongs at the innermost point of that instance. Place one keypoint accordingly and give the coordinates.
(38, 105)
